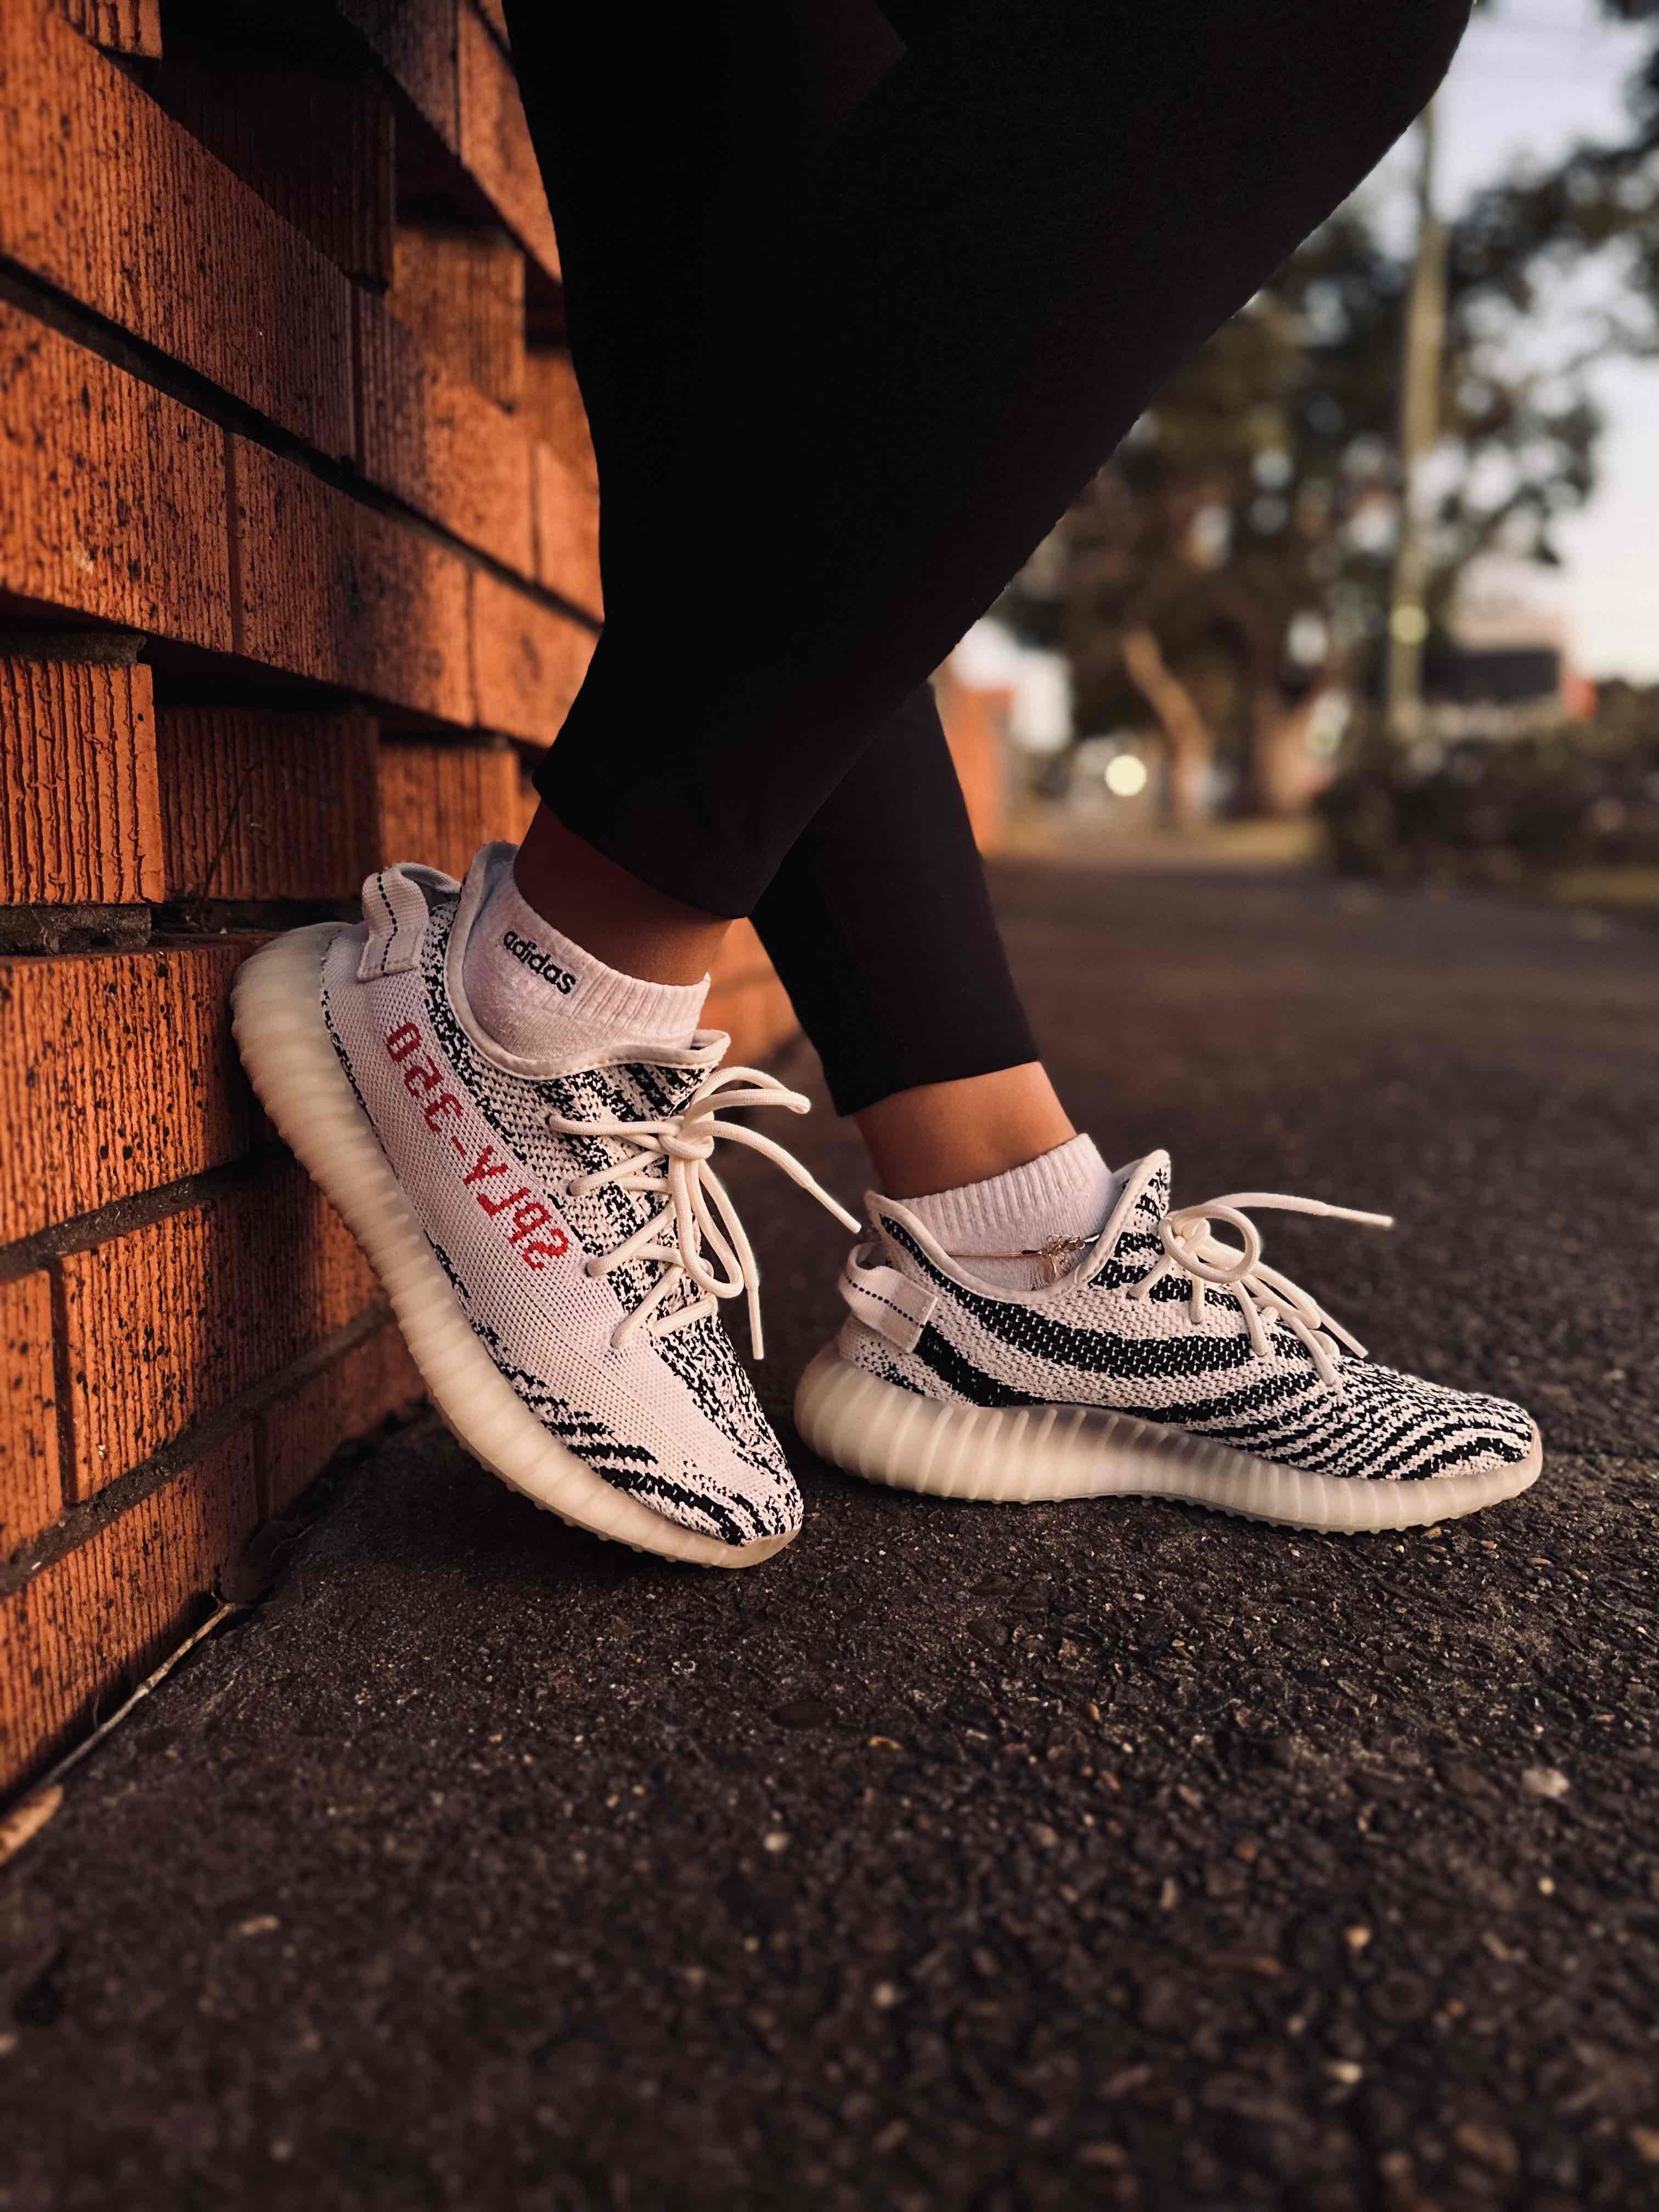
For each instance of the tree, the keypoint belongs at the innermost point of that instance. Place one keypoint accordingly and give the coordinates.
(1229, 567)
(1211, 566)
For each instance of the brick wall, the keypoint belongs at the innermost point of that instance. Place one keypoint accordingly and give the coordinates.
(976, 718)
(298, 568)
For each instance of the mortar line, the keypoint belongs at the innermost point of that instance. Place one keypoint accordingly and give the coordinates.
(141, 358)
(83, 1520)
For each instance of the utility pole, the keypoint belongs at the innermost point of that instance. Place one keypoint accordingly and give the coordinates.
(1422, 345)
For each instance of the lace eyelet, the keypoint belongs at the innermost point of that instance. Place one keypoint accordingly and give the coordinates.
(591, 1269)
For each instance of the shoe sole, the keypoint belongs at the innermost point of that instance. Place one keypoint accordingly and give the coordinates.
(290, 1060)
(1032, 1454)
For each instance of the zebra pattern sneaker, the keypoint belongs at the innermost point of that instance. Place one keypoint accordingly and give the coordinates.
(1165, 1363)
(553, 1240)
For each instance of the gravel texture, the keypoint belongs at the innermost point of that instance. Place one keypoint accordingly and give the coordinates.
(963, 1857)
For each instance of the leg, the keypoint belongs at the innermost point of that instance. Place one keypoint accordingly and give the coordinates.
(874, 454)
(872, 389)
(622, 921)
(867, 923)
(746, 86)
(880, 924)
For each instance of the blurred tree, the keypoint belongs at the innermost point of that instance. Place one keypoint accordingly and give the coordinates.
(1581, 239)
(1597, 200)
(1219, 570)
(1229, 568)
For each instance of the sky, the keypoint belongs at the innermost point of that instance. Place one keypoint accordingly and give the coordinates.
(1531, 77)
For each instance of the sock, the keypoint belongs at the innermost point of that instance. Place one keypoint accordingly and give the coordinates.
(1029, 1225)
(539, 994)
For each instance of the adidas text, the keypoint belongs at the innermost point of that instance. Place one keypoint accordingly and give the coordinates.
(529, 954)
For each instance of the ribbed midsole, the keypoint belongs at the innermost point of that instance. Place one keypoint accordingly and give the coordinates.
(1027, 1455)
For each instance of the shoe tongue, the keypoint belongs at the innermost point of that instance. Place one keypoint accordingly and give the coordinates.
(1143, 1201)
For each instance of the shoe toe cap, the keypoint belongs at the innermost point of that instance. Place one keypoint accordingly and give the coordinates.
(1472, 1433)
(733, 1500)
(1402, 1428)
(1497, 1434)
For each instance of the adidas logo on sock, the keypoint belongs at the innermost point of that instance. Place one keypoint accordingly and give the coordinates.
(529, 954)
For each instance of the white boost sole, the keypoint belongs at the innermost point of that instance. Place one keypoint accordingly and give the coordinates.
(1027, 1455)
(291, 1063)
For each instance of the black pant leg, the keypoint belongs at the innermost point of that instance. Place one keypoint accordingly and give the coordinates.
(918, 351)
(880, 924)
(878, 918)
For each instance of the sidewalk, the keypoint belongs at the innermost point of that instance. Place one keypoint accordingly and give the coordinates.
(1107, 1854)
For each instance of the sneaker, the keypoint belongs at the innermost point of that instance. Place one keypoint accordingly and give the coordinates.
(1164, 1363)
(552, 1238)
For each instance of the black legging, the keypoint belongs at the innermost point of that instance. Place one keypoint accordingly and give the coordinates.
(858, 300)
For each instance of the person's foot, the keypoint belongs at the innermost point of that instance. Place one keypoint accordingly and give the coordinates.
(551, 1237)
(1163, 1361)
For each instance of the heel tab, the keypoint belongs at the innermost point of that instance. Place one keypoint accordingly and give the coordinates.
(884, 1300)
(396, 903)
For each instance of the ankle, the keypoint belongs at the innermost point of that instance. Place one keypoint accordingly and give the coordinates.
(941, 1136)
(611, 913)
(1028, 1225)
(543, 996)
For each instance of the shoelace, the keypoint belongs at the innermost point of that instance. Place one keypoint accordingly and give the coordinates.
(1262, 1294)
(673, 1237)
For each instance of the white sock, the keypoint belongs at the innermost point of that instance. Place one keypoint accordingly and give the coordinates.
(1029, 1225)
(539, 994)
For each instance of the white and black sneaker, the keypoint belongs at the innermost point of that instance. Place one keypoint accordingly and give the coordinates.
(552, 1237)
(1163, 1361)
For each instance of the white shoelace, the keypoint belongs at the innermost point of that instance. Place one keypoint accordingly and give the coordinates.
(673, 1239)
(1262, 1294)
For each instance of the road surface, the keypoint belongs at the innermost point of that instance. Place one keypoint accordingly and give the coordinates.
(963, 1857)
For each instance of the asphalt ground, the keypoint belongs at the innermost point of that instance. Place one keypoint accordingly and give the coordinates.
(965, 1856)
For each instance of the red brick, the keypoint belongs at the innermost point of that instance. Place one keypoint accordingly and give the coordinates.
(495, 141)
(552, 407)
(439, 445)
(416, 45)
(741, 957)
(758, 1016)
(118, 1074)
(462, 293)
(31, 1492)
(266, 803)
(106, 196)
(315, 142)
(79, 811)
(80, 1628)
(746, 998)
(167, 1323)
(975, 728)
(440, 803)
(527, 660)
(111, 495)
(567, 531)
(124, 27)
(299, 1434)
(331, 589)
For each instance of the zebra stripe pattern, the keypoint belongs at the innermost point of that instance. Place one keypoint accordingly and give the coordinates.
(1085, 1340)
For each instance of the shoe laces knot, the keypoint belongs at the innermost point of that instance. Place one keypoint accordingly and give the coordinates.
(1260, 1293)
(695, 1233)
